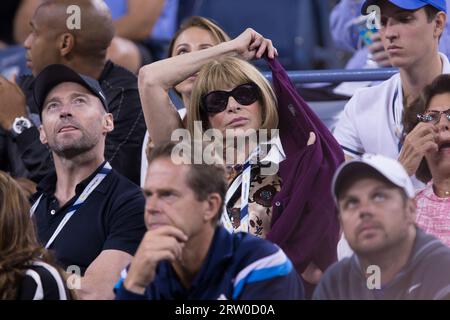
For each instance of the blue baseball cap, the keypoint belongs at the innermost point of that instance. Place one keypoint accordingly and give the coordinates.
(407, 4)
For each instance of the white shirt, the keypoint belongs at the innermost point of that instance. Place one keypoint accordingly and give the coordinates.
(144, 162)
(372, 123)
(372, 119)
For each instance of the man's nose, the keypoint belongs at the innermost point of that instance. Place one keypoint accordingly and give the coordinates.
(65, 110)
(390, 30)
(151, 205)
(365, 209)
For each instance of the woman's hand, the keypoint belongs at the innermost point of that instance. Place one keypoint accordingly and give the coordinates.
(312, 138)
(418, 142)
(251, 45)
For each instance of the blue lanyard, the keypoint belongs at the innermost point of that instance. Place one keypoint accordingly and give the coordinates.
(398, 134)
(244, 180)
(78, 203)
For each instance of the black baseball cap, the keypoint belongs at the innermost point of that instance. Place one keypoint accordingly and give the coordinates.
(55, 74)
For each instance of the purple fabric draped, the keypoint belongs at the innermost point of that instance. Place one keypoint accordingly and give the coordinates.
(305, 219)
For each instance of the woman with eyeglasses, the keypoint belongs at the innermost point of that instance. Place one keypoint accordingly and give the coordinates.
(25, 271)
(232, 99)
(427, 124)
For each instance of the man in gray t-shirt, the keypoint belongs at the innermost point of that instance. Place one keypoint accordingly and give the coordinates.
(393, 258)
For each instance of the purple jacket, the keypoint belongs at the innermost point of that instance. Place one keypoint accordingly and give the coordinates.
(304, 219)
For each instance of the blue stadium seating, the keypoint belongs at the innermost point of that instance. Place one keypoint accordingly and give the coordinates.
(298, 28)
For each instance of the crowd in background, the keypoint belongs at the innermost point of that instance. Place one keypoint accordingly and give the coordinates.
(106, 108)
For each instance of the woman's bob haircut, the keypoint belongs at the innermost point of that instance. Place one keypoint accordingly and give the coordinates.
(230, 72)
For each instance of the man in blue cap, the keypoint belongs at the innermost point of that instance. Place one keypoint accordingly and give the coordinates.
(407, 4)
(365, 45)
(372, 119)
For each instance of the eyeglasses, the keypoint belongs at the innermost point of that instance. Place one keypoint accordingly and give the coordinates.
(216, 101)
(433, 116)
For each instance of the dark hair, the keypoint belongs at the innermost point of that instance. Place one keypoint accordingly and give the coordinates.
(203, 179)
(361, 171)
(440, 85)
(431, 12)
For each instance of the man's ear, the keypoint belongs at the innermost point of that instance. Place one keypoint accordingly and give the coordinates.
(42, 135)
(212, 206)
(66, 42)
(440, 21)
(411, 210)
(108, 122)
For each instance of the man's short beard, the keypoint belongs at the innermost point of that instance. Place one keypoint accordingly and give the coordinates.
(77, 148)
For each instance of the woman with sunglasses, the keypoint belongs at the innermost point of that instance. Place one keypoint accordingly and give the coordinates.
(25, 272)
(233, 97)
(196, 33)
(427, 124)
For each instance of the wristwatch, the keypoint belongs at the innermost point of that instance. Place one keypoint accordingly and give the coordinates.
(19, 125)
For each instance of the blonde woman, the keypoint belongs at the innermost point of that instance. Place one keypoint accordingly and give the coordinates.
(196, 33)
(233, 98)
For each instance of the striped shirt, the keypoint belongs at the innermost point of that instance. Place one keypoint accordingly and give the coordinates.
(238, 266)
(433, 214)
(42, 282)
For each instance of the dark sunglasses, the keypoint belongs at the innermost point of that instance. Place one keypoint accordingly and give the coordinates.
(433, 116)
(216, 101)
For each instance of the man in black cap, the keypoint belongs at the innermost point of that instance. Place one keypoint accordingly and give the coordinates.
(53, 40)
(91, 216)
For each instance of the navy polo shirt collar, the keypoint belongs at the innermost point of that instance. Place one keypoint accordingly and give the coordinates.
(220, 252)
(48, 183)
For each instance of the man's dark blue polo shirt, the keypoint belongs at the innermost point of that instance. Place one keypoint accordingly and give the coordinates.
(238, 266)
(112, 217)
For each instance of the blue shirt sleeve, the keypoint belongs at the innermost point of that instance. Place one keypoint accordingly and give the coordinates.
(123, 294)
(345, 36)
(271, 277)
(287, 287)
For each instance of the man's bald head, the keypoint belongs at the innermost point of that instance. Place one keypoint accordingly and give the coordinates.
(96, 25)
